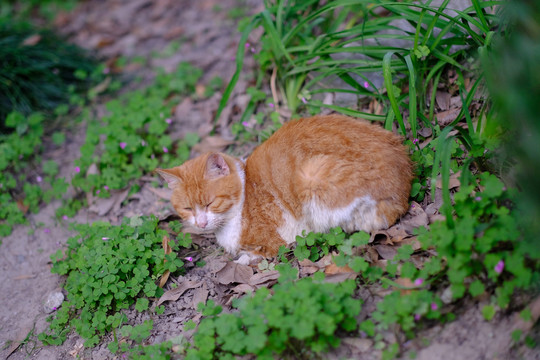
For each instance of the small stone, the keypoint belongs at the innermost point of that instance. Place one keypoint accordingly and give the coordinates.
(446, 296)
(389, 337)
(360, 345)
(53, 302)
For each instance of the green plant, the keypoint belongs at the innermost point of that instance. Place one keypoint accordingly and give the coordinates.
(308, 43)
(479, 249)
(39, 70)
(23, 186)
(109, 268)
(24, 10)
(137, 334)
(481, 243)
(136, 135)
(514, 85)
(301, 317)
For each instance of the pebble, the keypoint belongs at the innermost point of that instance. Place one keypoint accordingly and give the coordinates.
(53, 302)
(361, 345)
(446, 296)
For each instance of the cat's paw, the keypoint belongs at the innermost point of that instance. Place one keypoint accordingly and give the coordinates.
(248, 259)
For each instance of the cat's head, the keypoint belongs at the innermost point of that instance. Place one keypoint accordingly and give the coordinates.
(207, 191)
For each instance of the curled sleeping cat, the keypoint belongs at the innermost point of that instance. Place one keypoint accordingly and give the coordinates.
(312, 174)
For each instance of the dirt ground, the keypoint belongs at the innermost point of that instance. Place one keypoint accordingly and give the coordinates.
(208, 38)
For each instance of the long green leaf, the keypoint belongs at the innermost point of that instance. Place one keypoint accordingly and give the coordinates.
(445, 150)
(239, 65)
(387, 74)
(276, 40)
(480, 13)
(412, 96)
(355, 113)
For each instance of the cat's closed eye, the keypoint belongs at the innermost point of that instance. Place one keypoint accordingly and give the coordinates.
(188, 209)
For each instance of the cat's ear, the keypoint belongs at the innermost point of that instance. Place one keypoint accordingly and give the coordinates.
(171, 179)
(216, 167)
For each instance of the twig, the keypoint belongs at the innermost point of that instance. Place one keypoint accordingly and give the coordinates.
(273, 88)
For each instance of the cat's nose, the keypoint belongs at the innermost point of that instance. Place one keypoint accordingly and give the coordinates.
(201, 220)
(202, 224)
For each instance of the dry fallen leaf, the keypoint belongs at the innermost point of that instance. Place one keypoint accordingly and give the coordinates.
(379, 237)
(167, 248)
(162, 193)
(434, 207)
(381, 263)
(212, 144)
(200, 296)
(32, 40)
(446, 117)
(243, 289)
(174, 294)
(340, 277)
(266, 278)
(77, 348)
(386, 252)
(375, 108)
(325, 261)
(413, 241)
(334, 269)
(425, 132)
(453, 181)
(418, 260)
(436, 217)
(405, 283)
(372, 254)
(234, 273)
(397, 233)
(307, 267)
(103, 206)
(414, 218)
(22, 207)
(443, 99)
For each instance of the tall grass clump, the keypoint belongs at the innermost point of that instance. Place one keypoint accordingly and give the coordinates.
(315, 47)
(38, 70)
(511, 68)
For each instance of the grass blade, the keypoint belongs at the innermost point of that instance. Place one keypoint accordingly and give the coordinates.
(480, 13)
(412, 96)
(387, 74)
(354, 113)
(445, 150)
(389, 119)
(239, 65)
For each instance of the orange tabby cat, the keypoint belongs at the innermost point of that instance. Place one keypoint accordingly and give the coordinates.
(312, 174)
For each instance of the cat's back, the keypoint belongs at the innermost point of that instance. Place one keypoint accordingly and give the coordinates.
(333, 160)
(338, 137)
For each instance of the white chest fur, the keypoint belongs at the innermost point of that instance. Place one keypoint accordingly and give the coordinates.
(229, 235)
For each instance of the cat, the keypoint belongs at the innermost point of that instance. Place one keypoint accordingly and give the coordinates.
(312, 174)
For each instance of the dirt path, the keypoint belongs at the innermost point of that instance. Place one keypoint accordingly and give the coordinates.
(205, 34)
(207, 37)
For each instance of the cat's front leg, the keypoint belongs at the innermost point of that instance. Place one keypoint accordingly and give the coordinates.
(255, 249)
